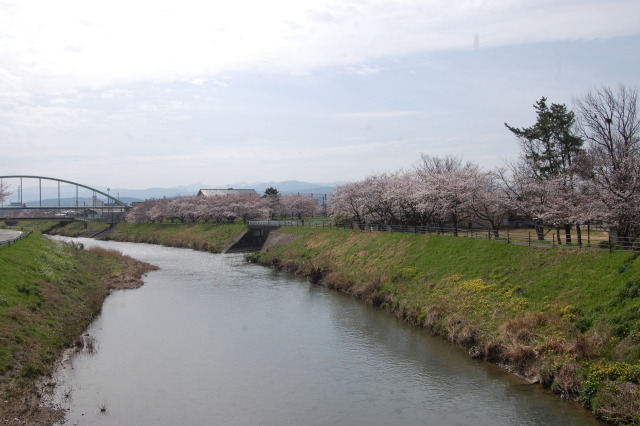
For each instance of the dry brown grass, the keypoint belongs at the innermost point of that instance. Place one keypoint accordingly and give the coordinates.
(290, 266)
(553, 346)
(618, 402)
(522, 359)
(433, 316)
(337, 281)
(460, 331)
(105, 252)
(522, 330)
(568, 381)
(492, 351)
(367, 289)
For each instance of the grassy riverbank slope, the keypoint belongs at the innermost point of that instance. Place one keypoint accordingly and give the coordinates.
(213, 238)
(205, 237)
(49, 293)
(567, 319)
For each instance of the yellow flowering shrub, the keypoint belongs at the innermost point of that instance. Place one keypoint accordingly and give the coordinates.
(597, 374)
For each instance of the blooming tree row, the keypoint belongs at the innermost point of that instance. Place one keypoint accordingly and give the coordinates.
(574, 169)
(222, 208)
(437, 191)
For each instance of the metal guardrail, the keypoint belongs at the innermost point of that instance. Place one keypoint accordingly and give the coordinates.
(19, 237)
(550, 239)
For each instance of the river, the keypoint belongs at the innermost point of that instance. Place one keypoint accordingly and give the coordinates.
(213, 340)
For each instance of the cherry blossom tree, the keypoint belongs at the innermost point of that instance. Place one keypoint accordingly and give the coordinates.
(381, 205)
(347, 202)
(610, 124)
(298, 206)
(183, 209)
(488, 203)
(147, 211)
(449, 182)
(4, 191)
(405, 193)
(525, 195)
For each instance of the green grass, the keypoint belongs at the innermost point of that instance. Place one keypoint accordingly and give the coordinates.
(41, 282)
(588, 279)
(206, 237)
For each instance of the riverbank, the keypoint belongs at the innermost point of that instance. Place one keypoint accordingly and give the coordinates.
(204, 237)
(49, 293)
(569, 320)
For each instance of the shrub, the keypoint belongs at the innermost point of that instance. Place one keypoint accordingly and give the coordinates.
(618, 403)
(627, 322)
(630, 290)
(599, 374)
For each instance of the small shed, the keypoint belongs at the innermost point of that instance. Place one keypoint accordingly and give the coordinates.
(228, 191)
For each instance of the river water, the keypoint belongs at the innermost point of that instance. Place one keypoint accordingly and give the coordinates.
(213, 340)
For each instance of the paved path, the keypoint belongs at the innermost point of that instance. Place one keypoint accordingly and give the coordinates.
(7, 234)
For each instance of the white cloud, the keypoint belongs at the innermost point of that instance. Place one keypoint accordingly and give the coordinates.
(75, 42)
(363, 69)
(379, 114)
(254, 89)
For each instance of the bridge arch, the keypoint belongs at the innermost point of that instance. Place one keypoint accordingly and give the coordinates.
(114, 201)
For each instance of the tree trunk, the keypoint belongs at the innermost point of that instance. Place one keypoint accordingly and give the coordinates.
(558, 235)
(567, 233)
(579, 234)
(540, 231)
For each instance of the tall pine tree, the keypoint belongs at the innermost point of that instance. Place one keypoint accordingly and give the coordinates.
(549, 151)
(549, 147)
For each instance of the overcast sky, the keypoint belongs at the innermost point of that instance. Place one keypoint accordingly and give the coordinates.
(135, 94)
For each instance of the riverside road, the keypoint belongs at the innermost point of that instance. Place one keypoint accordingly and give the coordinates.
(8, 235)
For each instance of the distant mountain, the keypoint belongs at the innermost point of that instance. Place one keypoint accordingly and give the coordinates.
(293, 187)
(157, 192)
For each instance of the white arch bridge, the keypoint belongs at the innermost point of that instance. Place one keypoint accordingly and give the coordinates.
(63, 197)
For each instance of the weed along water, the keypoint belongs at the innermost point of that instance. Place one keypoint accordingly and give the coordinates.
(213, 340)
